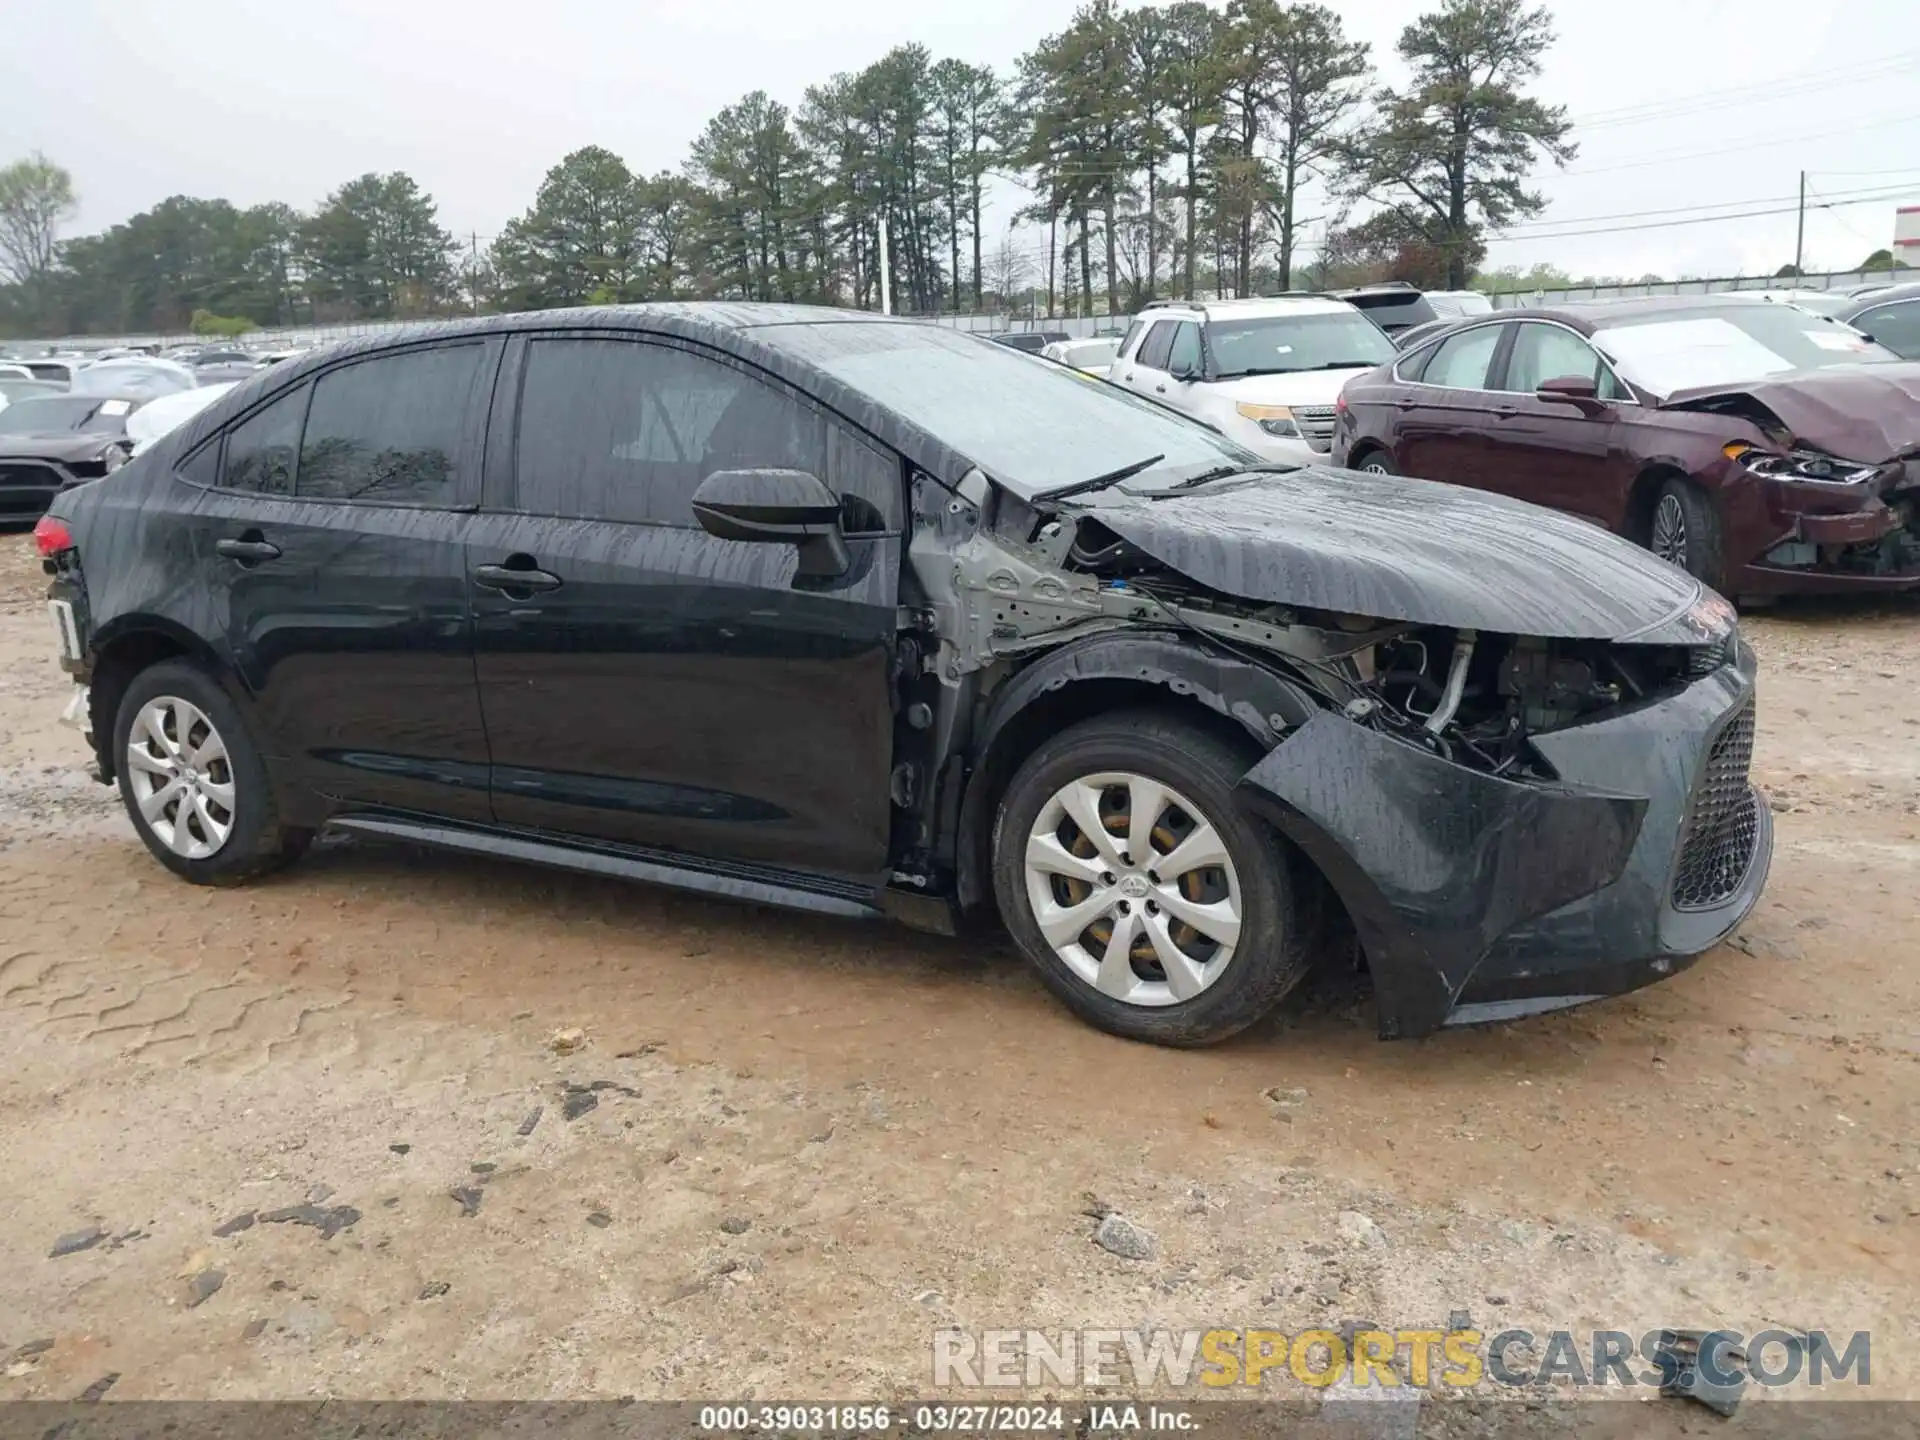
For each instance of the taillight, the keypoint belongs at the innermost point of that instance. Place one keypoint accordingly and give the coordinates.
(51, 537)
(1340, 403)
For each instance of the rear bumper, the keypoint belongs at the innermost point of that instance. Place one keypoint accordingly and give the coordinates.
(1480, 899)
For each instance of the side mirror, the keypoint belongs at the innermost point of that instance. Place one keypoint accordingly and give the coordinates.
(1181, 370)
(1576, 390)
(788, 507)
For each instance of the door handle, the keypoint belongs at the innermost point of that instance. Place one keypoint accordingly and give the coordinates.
(1505, 412)
(1160, 389)
(249, 549)
(507, 577)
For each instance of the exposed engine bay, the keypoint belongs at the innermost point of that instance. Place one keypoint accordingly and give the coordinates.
(1472, 697)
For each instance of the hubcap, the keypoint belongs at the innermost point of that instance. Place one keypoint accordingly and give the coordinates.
(1670, 530)
(1375, 467)
(1133, 888)
(181, 777)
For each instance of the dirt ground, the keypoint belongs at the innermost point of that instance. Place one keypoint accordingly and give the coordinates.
(812, 1143)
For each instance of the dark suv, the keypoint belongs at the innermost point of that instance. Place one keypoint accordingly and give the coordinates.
(862, 616)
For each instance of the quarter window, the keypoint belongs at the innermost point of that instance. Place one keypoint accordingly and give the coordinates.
(1158, 344)
(1134, 332)
(263, 449)
(390, 428)
(1461, 361)
(622, 430)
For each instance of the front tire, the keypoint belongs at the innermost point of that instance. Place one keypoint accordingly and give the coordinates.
(1138, 889)
(193, 782)
(1684, 529)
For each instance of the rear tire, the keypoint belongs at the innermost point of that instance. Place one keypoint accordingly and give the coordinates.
(1212, 945)
(1375, 462)
(1684, 529)
(193, 781)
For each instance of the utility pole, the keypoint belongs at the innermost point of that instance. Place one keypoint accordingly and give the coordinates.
(473, 269)
(1800, 230)
(886, 272)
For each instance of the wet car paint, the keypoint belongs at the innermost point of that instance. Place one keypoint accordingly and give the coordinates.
(744, 747)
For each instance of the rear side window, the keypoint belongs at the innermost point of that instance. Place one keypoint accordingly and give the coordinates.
(1461, 361)
(1895, 326)
(1157, 346)
(390, 428)
(263, 448)
(621, 430)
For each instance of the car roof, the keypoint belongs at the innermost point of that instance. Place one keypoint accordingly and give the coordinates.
(1885, 296)
(1253, 307)
(746, 331)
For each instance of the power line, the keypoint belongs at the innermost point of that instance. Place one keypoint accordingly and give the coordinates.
(1646, 161)
(1671, 210)
(1735, 95)
(1692, 220)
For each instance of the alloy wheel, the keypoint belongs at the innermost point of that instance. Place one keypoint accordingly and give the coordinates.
(1669, 538)
(181, 777)
(1133, 888)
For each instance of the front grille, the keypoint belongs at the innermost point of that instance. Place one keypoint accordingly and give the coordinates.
(1316, 425)
(1717, 847)
(27, 485)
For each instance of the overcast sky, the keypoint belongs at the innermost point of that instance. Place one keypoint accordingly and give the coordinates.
(1686, 104)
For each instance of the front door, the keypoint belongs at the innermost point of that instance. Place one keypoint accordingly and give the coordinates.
(1551, 452)
(332, 540)
(646, 683)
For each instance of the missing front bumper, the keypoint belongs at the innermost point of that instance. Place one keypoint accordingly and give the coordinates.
(1503, 898)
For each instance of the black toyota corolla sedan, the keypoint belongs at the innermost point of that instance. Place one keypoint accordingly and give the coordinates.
(861, 616)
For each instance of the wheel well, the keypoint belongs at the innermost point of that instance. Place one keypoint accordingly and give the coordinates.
(1640, 501)
(113, 671)
(1360, 452)
(1051, 712)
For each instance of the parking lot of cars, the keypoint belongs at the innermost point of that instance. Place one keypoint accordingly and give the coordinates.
(573, 1136)
(1203, 729)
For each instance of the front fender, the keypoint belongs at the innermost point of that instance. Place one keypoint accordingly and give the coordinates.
(1433, 861)
(1262, 702)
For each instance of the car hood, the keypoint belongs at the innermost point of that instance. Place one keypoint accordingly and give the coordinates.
(1403, 549)
(1308, 387)
(65, 447)
(1865, 413)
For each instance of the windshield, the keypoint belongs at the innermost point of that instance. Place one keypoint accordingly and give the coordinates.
(1030, 424)
(64, 415)
(1277, 344)
(1092, 352)
(133, 377)
(1729, 345)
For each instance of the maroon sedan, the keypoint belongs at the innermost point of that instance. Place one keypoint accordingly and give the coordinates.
(1767, 450)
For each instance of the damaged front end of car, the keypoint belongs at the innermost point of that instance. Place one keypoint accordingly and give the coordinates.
(1513, 819)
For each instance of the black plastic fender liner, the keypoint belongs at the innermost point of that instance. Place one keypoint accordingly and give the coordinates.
(1432, 860)
(1263, 703)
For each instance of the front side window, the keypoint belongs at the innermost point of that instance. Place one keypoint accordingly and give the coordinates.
(1895, 326)
(1461, 361)
(618, 430)
(390, 428)
(1547, 352)
(1184, 357)
(263, 449)
(1157, 346)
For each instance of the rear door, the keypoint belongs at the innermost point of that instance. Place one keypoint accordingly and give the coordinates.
(1550, 451)
(1442, 432)
(333, 545)
(646, 683)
